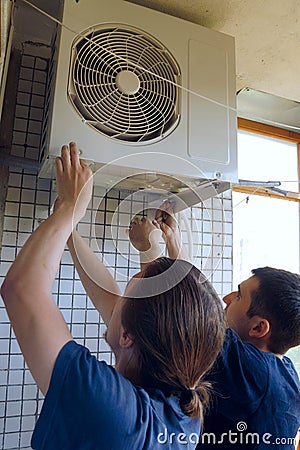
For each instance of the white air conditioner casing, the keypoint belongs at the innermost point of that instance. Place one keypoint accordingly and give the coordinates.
(202, 139)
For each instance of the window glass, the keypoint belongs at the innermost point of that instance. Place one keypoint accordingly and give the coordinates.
(266, 230)
(265, 233)
(262, 158)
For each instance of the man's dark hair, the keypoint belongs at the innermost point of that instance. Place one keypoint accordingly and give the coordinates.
(277, 299)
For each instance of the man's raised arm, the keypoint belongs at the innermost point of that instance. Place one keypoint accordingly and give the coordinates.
(27, 289)
(98, 283)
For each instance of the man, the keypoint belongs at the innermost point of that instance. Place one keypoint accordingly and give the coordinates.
(164, 340)
(257, 387)
(255, 399)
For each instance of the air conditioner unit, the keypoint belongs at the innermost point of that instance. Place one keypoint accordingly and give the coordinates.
(148, 97)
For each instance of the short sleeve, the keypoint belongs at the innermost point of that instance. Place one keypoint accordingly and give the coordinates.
(239, 378)
(87, 402)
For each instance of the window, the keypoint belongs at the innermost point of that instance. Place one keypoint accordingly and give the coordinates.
(272, 153)
(263, 158)
(265, 225)
(266, 218)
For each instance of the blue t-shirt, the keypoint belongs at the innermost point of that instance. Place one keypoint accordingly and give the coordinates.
(255, 402)
(90, 406)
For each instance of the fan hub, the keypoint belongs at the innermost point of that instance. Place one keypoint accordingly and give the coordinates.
(128, 82)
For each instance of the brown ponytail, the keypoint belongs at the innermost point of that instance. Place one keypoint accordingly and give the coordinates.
(193, 401)
(178, 330)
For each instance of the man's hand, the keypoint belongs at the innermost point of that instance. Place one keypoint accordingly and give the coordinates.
(145, 236)
(143, 233)
(74, 182)
(164, 218)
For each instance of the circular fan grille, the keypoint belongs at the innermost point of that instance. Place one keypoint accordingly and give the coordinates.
(123, 83)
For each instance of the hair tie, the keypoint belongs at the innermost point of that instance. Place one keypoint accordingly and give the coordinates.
(189, 390)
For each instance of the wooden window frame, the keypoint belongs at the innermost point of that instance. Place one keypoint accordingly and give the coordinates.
(275, 133)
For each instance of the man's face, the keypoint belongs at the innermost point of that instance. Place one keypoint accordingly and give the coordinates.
(238, 303)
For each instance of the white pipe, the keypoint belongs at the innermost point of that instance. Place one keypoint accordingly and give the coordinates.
(180, 216)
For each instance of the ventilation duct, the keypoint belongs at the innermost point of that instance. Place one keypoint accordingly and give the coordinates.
(269, 109)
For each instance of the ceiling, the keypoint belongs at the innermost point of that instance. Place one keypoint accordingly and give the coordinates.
(267, 36)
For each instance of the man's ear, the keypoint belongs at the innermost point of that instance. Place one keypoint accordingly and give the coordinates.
(260, 327)
(126, 339)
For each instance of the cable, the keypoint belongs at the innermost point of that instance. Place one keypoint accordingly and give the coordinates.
(128, 61)
(247, 197)
(181, 217)
(46, 14)
(289, 181)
